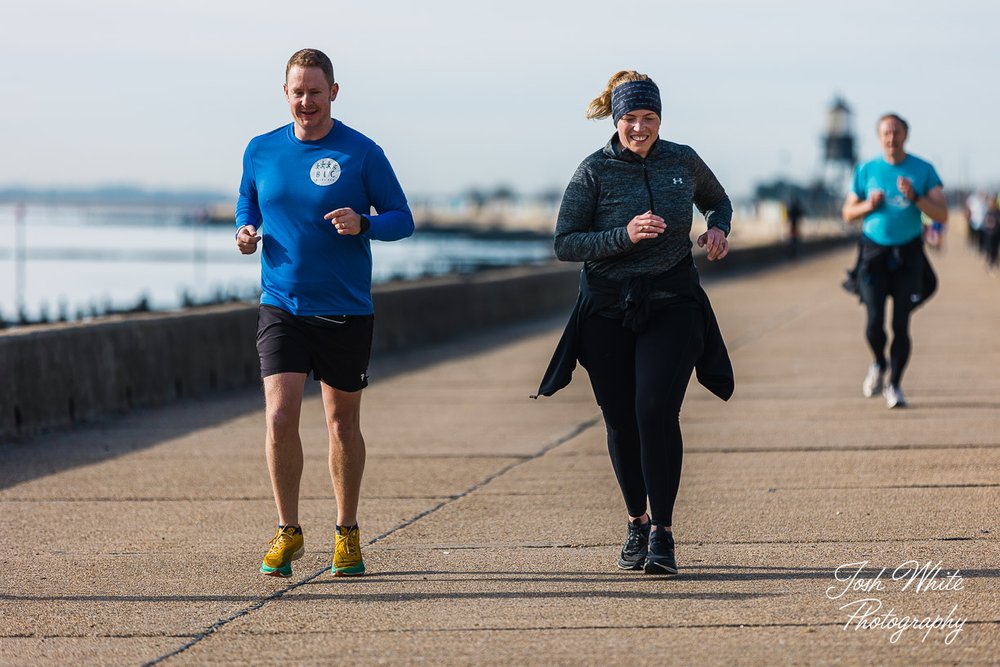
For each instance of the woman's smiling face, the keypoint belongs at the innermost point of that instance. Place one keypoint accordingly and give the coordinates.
(638, 130)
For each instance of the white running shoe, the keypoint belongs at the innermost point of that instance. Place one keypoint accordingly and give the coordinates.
(873, 381)
(894, 397)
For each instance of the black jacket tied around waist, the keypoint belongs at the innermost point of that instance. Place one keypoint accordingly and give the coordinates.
(633, 301)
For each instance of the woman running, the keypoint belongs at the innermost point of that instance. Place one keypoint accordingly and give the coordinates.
(642, 322)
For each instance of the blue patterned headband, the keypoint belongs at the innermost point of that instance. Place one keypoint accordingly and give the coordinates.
(634, 95)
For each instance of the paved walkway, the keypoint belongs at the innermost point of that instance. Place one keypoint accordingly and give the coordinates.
(495, 520)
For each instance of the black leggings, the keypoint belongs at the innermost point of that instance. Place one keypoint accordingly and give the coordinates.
(993, 248)
(639, 381)
(878, 282)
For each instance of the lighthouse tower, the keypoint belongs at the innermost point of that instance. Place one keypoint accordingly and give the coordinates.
(839, 155)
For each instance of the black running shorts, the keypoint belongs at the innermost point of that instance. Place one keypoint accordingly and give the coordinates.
(334, 348)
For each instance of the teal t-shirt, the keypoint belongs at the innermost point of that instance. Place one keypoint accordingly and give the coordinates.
(897, 220)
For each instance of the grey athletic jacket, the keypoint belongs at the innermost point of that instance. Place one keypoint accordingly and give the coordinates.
(613, 185)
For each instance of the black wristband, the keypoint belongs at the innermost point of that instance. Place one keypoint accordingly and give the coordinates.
(366, 224)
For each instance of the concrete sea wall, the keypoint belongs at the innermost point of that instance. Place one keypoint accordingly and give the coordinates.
(54, 376)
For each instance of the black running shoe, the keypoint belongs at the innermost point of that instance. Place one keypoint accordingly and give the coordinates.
(660, 559)
(633, 553)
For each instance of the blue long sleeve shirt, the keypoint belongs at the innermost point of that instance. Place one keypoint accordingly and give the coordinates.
(288, 185)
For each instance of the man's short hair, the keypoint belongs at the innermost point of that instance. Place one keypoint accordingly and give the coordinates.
(896, 117)
(311, 58)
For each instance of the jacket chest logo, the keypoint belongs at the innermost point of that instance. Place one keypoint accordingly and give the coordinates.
(678, 181)
(325, 171)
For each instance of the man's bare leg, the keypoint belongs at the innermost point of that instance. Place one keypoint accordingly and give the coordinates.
(347, 450)
(283, 398)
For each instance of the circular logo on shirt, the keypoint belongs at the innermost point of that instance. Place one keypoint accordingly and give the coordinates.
(897, 201)
(325, 171)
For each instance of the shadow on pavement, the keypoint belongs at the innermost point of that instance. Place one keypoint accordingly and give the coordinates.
(87, 444)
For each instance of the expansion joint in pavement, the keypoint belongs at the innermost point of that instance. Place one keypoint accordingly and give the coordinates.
(222, 622)
(657, 626)
(883, 486)
(836, 448)
(893, 540)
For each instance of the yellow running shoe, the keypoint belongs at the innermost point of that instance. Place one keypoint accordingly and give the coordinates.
(347, 561)
(288, 545)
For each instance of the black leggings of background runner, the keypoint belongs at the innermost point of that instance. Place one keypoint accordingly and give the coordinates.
(639, 381)
(878, 282)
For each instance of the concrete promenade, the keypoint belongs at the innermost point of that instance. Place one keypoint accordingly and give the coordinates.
(493, 521)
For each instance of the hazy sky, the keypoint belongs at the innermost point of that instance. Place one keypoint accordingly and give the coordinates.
(166, 94)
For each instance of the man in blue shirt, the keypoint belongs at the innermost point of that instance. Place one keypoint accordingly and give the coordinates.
(890, 193)
(306, 196)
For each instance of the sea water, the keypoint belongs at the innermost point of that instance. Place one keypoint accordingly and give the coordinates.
(73, 261)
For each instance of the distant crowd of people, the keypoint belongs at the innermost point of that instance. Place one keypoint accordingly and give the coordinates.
(982, 213)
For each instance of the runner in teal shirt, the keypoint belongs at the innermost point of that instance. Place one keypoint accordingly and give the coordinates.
(897, 220)
(890, 192)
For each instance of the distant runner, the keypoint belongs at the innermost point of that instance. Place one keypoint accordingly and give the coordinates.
(890, 192)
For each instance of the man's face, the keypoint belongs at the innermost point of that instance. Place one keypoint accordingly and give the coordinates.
(892, 135)
(309, 95)
(637, 130)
